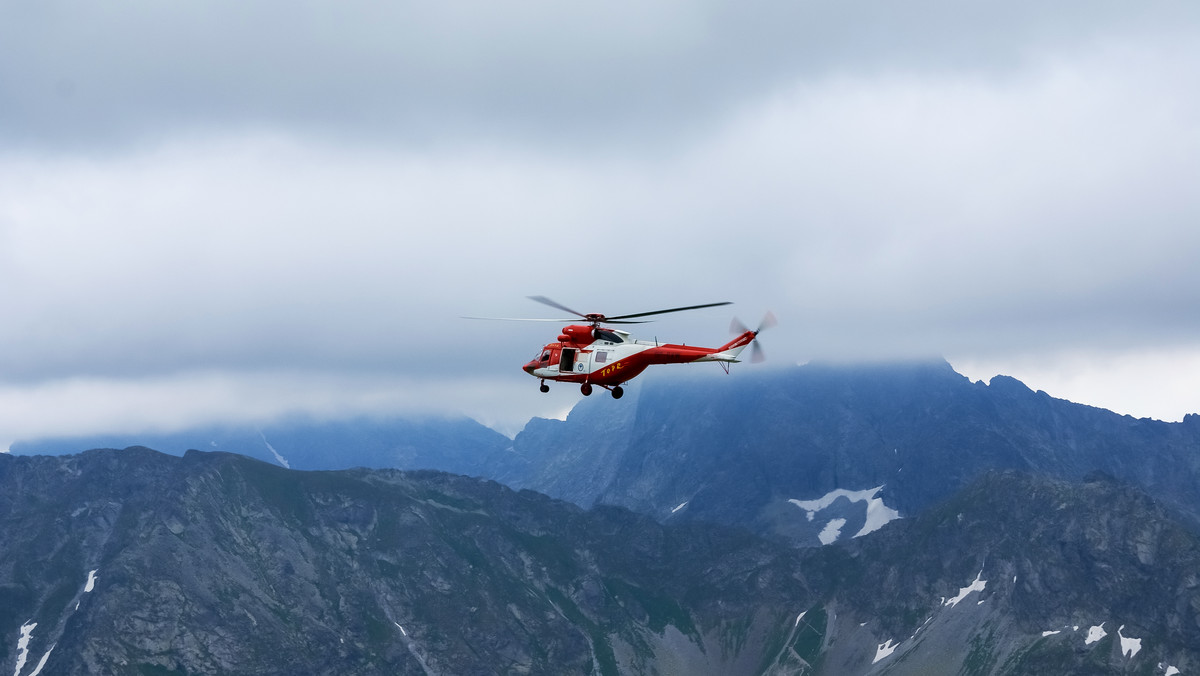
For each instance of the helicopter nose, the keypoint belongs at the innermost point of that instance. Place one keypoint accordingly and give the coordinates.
(528, 368)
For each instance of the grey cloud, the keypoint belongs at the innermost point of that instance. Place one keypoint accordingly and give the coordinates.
(79, 75)
(890, 180)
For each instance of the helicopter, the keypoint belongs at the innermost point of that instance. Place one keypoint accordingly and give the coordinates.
(594, 355)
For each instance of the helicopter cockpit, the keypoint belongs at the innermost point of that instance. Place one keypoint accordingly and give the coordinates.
(605, 334)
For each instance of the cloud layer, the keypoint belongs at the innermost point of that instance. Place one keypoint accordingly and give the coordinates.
(287, 200)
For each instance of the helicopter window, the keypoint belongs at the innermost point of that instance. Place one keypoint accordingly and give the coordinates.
(601, 357)
(546, 355)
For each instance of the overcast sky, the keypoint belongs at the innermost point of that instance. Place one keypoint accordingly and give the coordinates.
(233, 210)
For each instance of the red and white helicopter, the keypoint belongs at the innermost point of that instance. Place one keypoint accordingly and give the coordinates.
(600, 356)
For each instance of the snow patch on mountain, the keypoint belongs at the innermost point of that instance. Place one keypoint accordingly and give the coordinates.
(831, 532)
(278, 458)
(42, 662)
(878, 514)
(885, 650)
(1129, 646)
(23, 646)
(978, 585)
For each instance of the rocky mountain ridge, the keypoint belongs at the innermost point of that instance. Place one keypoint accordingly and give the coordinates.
(1017, 574)
(137, 562)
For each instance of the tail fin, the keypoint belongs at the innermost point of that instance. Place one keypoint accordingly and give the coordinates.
(730, 351)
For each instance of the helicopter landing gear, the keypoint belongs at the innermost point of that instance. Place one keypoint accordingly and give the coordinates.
(544, 387)
(617, 392)
(586, 389)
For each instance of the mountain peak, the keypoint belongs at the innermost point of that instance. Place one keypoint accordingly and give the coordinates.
(1008, 384)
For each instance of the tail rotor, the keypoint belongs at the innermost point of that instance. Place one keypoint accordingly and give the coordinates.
(756, 351)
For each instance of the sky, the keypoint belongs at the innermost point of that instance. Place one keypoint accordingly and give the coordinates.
(231, 211)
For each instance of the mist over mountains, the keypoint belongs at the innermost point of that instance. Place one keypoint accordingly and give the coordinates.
(458, 445)
(739, 450)
(824, 519)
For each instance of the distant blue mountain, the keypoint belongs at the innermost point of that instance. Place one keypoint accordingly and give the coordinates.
(458, 445)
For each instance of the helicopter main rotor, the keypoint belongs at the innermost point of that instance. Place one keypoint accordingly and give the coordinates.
(595, 318)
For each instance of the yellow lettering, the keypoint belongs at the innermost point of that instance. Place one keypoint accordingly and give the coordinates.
(609, 370)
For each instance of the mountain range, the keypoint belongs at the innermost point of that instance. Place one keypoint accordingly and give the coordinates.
(894, 519)
(748, 451)
(751, 450)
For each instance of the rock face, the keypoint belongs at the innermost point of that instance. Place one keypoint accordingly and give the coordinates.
(142, 563)
(137, 562)
(1019, 575)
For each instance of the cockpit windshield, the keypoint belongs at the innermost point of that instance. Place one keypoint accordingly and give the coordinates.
(604, 334)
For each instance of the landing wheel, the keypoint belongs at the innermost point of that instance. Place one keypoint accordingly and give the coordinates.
(544, 387)
(586, 388)
(617, 392)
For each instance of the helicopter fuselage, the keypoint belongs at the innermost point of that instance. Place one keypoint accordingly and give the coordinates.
(608, 357)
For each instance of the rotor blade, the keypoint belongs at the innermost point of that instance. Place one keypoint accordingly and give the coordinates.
(558, 306)
(520, 319)
(674, 309)
(534, 319)
(756, 353)
(768, 321)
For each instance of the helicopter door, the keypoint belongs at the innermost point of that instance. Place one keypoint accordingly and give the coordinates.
(567, 363)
